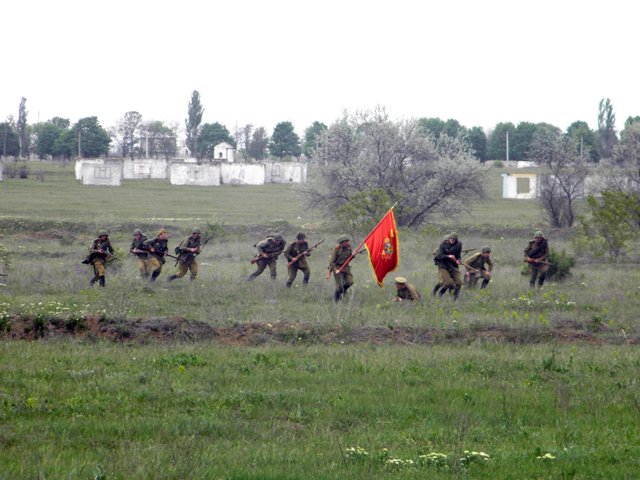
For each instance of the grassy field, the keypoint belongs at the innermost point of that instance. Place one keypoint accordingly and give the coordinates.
(560, 384)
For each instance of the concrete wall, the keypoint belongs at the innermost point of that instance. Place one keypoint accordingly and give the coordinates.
(109, 173)
(510, 183)
(242, 174)
(286, 172)
(187, 173)
(1, 167)
(79, 165)
(143, 168)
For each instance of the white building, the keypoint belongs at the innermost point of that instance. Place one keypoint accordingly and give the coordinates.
(145, 168)
(520, 185)
(224, 152)
(107, 173)
(81, 162)
(188, 173)
(242, 174)
(286, 172)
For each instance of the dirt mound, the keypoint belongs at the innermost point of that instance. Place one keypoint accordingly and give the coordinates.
(178, 329)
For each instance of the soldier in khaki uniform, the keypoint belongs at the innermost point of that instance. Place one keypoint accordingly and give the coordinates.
(535, 254)
(298, 249)
(405, 292)
(478, 265)
(158, 248)
(187, 251)
(448, 259)
(99, 251)
(137, 248)
(269, 250)
(339, 255)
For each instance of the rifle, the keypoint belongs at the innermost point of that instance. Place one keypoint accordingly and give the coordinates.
(268, 255)
(464, 252)
(192, 254)
(536, 261)
(110, 257)
(296, 258)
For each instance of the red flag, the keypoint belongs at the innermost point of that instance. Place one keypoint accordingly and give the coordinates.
(382, 247)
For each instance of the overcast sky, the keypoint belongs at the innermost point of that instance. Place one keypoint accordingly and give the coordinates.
(265, 61)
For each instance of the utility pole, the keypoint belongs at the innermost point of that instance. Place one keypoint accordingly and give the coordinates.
(507, 149)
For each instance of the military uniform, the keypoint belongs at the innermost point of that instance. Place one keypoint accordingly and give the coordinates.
(294, 249)
(268, 252)
(137, 248)
(99, 251)
(481, 267)
(535, 254)
(448, 273)
(187, 257)
(158, 248)
(344, 279)
(405, 291)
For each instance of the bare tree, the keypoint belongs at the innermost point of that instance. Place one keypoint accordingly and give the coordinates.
(369, 152)
(564, 183)
(22, 129)
(258, 144)
(243, 140)
(193, 121)
(607, 138)
(128, 133)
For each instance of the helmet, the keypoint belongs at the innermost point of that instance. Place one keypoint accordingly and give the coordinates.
(342, 238)
(453, 235)
(137, 231)
(301, 236)
(103, 233)
(278, 238)
(401, 280)
(195, 230)
(538, 234)
(486, 249)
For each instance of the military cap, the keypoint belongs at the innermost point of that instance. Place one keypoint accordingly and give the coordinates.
(195, 230)
(486, 249)
(538, 234)
(401, 280)
(278, 237)
(137, 231)
(453, 235)
(301, 236)
(342, 238)
(103, 233)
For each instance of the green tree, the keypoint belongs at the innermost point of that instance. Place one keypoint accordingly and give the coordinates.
(9, 137)
(362, 212)
(22, 128)
(311, 138)
(86, 139)
(193, 121)
(584, 139)
(432, 125)
(244, 139)
(284, 141)
(520, 141)
(211, 134)
(607, 138)
(478, 141)
(46, 134)
(258, 145)
(497, 141)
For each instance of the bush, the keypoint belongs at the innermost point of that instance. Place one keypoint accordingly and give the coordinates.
(498, 164)
(560, 265)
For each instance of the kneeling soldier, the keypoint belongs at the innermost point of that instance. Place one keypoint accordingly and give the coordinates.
(187, 251)
(405, 291)
(479, 265)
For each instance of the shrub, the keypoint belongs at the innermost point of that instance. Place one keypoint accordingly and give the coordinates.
(560, 265)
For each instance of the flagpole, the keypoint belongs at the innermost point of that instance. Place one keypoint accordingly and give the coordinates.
(365, 239)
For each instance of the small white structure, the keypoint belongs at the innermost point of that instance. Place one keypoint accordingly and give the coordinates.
(145, 168)
(286, 172)
(242, 174)
(224, 152)
(108, 173)
(81, 162)
(524, 164)
(187, 173)
(520, 185)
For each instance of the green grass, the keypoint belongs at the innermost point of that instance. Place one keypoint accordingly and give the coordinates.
(201, 411)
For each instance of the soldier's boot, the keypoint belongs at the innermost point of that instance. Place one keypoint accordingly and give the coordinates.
(288, 284)
(305, 281)
(171, 278)
(154, 275)
(435, 289)
(541, 281)
(93, 280)
(456, 292)
(273, 277)
(485, 282)
(101, 280)
(337, 295)
(192, 278)
(532, 283)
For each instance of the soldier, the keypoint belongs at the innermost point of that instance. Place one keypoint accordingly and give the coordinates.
(157, 249)
(438, 285)
(99, 252)
(297, 255)
(405, 291)
(187, 251)
(269, 250)
(448, 260)
(339, 256)
(137, 248)
(478, 265)
(535, 254)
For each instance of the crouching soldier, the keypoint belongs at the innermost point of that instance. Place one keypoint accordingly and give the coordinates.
(137, 249)
(341, 272)
(297, 253)
(478, 265)
(158, 248)
(99, 252)
(269, 250)
(405, 292)
(187, 251)
(535, 254)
